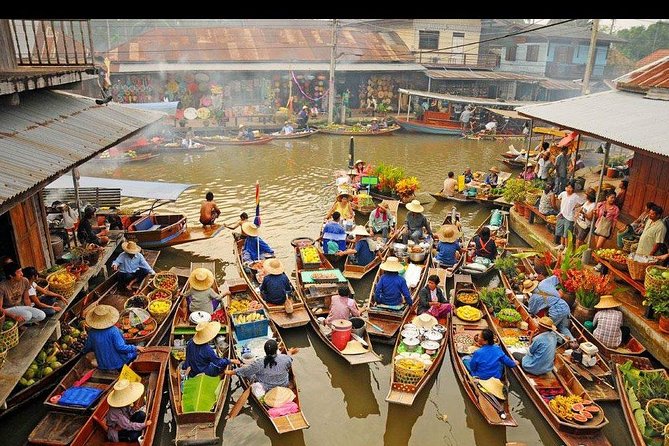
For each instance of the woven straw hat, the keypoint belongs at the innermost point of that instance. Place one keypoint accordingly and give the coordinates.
(608, 301)
(494, 169)
(102, 316)
(358, 162)
(547, 322)
(415, 206)
(131, 247)
(448, 233)
(125, 393)
(249, 228)
(392, 264)
(360, 230)
(278, 396)
(384, 205)
(425, 320)
(529, 286)
(273, 267)
(353, 348)
(493, 386)
(201, 279)
(206, 331)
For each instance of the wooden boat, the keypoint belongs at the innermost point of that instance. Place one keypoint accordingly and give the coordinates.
(502, 235)
(458, 197)
(285, 423)
(405, 393)
(175, 147)
(640, 363)
(195, 428)
(161, 230)
(253, 276)
(226, 141)
(515, 164)
(126, 159)
(459, 329)
(495, 137)
(316, 297)
(511, 155)
(347, 131)
(385, 323)
(561, 379)
(295, 135)
(152, 370)
(430, 124)
(62, 423)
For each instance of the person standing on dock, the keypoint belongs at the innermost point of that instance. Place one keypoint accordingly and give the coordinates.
(653, 233)
(565, 219)
(415, 222)
(303, 118)
(561, 163)
(131, 265)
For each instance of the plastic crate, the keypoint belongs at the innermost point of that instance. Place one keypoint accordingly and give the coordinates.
(253, 329)
(79, 396)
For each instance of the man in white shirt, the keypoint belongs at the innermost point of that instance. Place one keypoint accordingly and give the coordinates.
(491, 127)
(450, 185)
(565, 219)
(465, 116)
(287, 128)
(653, 233)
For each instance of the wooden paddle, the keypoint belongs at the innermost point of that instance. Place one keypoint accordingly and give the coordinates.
(239, 404)
(580, 371)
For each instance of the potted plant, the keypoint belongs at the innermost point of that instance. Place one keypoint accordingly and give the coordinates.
(590, 287)
(657, 298)
(515, 191)
(406, 188)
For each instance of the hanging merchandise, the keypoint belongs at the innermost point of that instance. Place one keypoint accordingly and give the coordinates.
(325, 93)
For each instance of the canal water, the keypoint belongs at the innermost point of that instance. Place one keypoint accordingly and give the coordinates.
(345, 405)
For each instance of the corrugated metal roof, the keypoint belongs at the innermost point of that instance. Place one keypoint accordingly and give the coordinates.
(478, 75)
(52, 131)
(653, 75)
(471, 100)
(652, 57)
(248, 44)
(557, 84)
(626, 119)
(266, 66)
(511, 114)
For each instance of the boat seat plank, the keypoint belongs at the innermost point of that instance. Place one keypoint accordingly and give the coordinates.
(154, 228)
(57, 428)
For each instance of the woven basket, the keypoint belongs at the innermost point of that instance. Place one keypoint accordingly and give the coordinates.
(152, 294)
(666, 435)
(628, 242)
(163, 274)
(126, 304)
(654, 422)
(159, 317)
(652, 282)
(406, 375)
(3, 356)
(9, 338)
(64, 289)
(637, 269)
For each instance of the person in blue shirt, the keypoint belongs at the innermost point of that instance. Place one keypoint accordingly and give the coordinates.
(545, 299)
(200, 356)
(448, 249)
(254, 248)
(493, 177)
(391, 286)
(469, 176)
(131, 265)
(364, 250)
(541, 355)
(106, 340)
(334, 234)
(303, 118)
(489, 360)
(275, 285)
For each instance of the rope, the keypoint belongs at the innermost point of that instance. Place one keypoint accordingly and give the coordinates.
(299, 87)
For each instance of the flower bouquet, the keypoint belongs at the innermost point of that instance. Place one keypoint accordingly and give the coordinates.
(406, 188)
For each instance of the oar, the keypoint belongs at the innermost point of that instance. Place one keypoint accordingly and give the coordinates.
(580, 371)
(240, 403)
(375, 327)
(360, 340)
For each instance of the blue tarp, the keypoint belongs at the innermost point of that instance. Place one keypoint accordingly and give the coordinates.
(151, 190)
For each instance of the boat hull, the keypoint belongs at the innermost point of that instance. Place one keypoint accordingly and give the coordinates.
(415, 126)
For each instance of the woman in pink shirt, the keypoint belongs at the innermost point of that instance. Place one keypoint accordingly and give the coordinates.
(607, 215)
(342, 306)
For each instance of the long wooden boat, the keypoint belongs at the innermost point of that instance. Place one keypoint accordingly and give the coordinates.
(461, 330)
(458, 197)
(346, 130)
(385, 323)
(560, 379)
(175, 147)
(296, 135)
(284, 423)
(195, 428)
(226, 141)
(405, 393)
(511, 155)
(316, 298)
(640, 363)
(493, 137)
(514, 164)
(62, 423)
(502, 234)
(252, 276)
(152, 371)
(126, 159)
(161, 230)
(452, 128)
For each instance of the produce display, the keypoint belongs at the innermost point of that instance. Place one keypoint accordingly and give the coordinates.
(615, 255)
(8, 324)
(309, 254)
(136, 331)
(468, 313)
(160, 293)
(509, 316)
(137, 301)
(62, 278)
(159, 306)
(166, 281)
(494, 298)
(246, 318)
(325, 276)
(243, 305)
(573, 408)
(658, 273)
(469, 298)
(179, 354)
(130, 154)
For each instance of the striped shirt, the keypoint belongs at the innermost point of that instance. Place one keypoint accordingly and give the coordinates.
(607, 327)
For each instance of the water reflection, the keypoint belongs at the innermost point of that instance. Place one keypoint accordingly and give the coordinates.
(356, 385)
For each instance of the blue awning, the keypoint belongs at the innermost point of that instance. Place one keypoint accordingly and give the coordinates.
(150, 190)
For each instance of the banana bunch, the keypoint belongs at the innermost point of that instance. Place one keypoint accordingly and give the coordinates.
(246, 318)
(238, 306)
(468, 313)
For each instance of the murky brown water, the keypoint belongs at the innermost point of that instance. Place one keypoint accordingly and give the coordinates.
(345, 405)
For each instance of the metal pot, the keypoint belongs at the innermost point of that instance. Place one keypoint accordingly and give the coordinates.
(399, 249)
(417, 257)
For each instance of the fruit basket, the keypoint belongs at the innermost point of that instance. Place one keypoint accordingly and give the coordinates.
(310, 257)
(656, 276)
(159, 293)
(136, 301)
(468, 313)
(159, 309)
(637, 265)
(62, 282)
(166, 280)
(134, 328)
(509, 318)
(467, 297)
(9, 334)
(657, 413)
(616, 257)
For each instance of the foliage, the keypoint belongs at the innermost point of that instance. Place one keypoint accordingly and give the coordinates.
(652, 385)
(589, 285)
(407, 186)
(509, 315)
(642, 41)
(389, 176)
(515, 190)
(200, 393)
(571, 259)
(617, 160)
(506, 265)
(384, 108)
(494, 298)
(658, 299)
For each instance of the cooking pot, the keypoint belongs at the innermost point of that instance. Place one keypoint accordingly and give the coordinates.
(417, 257)
(399, 249)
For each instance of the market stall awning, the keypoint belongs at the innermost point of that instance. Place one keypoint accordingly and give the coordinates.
(165, 107)
(150, 190)
(50, 132)
(567, 139)
(465, 99)
(511, 114)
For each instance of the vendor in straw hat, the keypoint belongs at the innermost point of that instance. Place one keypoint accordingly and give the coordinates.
(271, 371)
(275, 286)
(432, 299)
(391, 287)
(131, 265)
(287, 128)
(254, 248)
(448, 249)
(359, 167)
(106, 341)
(381, 221)
(493, 177)
(364, 250)
(245, 133)
(200, 356)
(124, 423)
(303, 117)
(415, 222)
(545, 299)
(343, 206)
(489, 359)
(541, 353)
(201, 293)
(608, 322)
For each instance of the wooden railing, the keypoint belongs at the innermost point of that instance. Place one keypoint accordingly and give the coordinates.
(52, 42)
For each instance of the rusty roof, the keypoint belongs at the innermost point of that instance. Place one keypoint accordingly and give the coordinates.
(652, 57)
(257, 44)
(655, 75)
(50, 132)
(479, 75)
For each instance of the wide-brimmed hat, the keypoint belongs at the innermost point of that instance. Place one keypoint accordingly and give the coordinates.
(414, 206)
(360, 230)
(131, 247)
(102, 316)
(608, 301)
(375, 119)
(285, 123)
(425, 320)
(353, 348)
(493, 386)
(342, 195)
(358, 162)
(494, 169)
(392, 264)
(546, 322)
(249, 228)
(241, 126)
(384, 205)
(529, 286)
(305, 107)
(125, 393)
(448, 233)
(273, 267)
(278, 396)
(201, 279)
(206, 331)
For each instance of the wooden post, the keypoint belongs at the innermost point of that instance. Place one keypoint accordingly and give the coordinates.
(585, 89)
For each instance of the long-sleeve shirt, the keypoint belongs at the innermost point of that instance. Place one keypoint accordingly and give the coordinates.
(203, 359)
(269, 377)
(250, 250)
(334, 231)
(118, 418)
(85, 232)
(129, 264)
(377, 223)
(200, 300)
(607, 327)
(342, 308)
(541, 355)
(446, 253)
(415, 221)
(390, 288)
(425, 297)
(111, 351)
(546, 295)
(274, 288)
(489, 361)
(561, 163)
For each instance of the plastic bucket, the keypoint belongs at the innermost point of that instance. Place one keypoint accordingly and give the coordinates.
(341, 333)
(358, 326)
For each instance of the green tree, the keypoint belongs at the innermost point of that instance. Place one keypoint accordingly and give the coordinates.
(642, 41)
